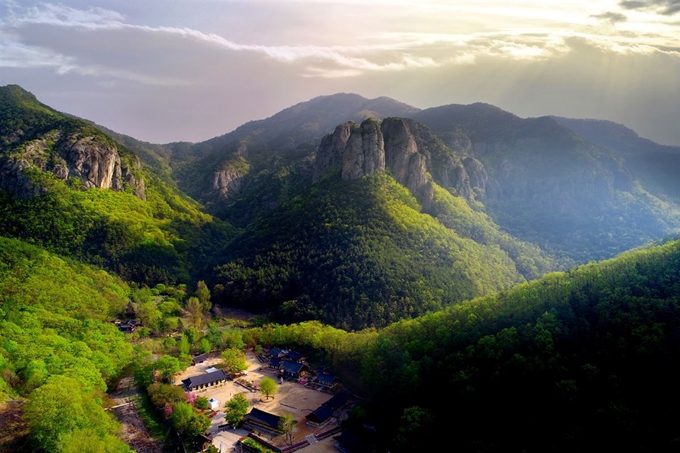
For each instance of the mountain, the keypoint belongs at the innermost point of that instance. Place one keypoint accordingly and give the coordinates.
(654, 164)
(71, 188)
(551, 186)
(217, 170)
(374, 238)
(575, 361)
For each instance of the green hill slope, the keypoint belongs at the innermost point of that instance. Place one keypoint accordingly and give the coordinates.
(549, 186)
(59, 348)
(67, 186)
(357, 254)
(576, 361)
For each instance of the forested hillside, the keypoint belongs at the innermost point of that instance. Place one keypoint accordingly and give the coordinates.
(357, 254)
(67, 186)
(576, 361)
(552, 187)
(59, 349)
(411, 256)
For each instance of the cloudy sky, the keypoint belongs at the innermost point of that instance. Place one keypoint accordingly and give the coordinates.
(169, 70)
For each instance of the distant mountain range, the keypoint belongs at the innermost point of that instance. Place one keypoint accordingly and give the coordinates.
(358, 212)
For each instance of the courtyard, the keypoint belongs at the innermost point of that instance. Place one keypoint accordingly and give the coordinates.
(290, 397)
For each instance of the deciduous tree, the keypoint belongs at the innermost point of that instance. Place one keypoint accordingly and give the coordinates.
(236, 409)
(268, 387)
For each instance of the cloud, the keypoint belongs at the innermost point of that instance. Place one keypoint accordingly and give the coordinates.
(611, 16)
(665, 7)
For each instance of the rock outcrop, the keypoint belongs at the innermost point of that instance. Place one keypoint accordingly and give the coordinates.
(92, 162)
(364, 153)
(330, 150)
(402, 157)
(227, 182)
(408, 150)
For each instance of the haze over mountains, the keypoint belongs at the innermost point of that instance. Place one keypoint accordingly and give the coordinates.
(428, 236)
(427, 208)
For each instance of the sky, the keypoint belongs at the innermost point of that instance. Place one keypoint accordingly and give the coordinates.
(189, 70)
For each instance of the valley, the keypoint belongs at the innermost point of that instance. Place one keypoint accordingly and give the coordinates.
(454, 267)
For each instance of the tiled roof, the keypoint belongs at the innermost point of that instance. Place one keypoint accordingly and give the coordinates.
(320, 415)
(338, 400)
(291, 367)
(263, 418)
(207, 378)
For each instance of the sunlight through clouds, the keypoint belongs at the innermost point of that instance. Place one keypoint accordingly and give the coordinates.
(298, 49)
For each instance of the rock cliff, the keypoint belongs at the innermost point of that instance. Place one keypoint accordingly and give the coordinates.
(407, 149)
(364, 153)
(330, 150)
(73, 156)
(408, 165)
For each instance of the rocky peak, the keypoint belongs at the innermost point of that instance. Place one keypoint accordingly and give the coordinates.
(408, 149)
(364, 153)
(402, 157)
(331, 148)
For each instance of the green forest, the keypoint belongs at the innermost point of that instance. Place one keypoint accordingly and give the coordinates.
(457, 320)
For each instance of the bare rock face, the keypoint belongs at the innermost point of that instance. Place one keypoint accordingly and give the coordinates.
(400, 147)
(477, 174)
(403, 158)
(93, 162)
(227, 182)
(15, 181)
(330, 150)
(364, 153)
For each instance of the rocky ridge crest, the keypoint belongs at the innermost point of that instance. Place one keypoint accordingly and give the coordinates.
(411, 153)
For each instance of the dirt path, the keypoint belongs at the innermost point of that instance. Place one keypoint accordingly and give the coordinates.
(134, 432)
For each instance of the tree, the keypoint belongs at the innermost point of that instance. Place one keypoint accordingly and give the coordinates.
(236, 409)
(150, 315)
(201, 403)
(87, 440)
(187, 421)
(192, 335)
(234, 361)
(203, 296)
(287, 425)
(198, 425)
(182, 415)
(204, 346)
(168, 366)
(195, 312)
(414, 420)
(59, 407)
(268, 387)
(184, 345)
(166, 395)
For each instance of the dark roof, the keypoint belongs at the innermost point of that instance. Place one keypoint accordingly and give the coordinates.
(260, 417)
(353, 444)
(320, 415)
(207, 378)
(295, 356)
(277, 352)
(275, 362)
(200, 358)
(325, 379)
(338, 400)
(291, 367)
